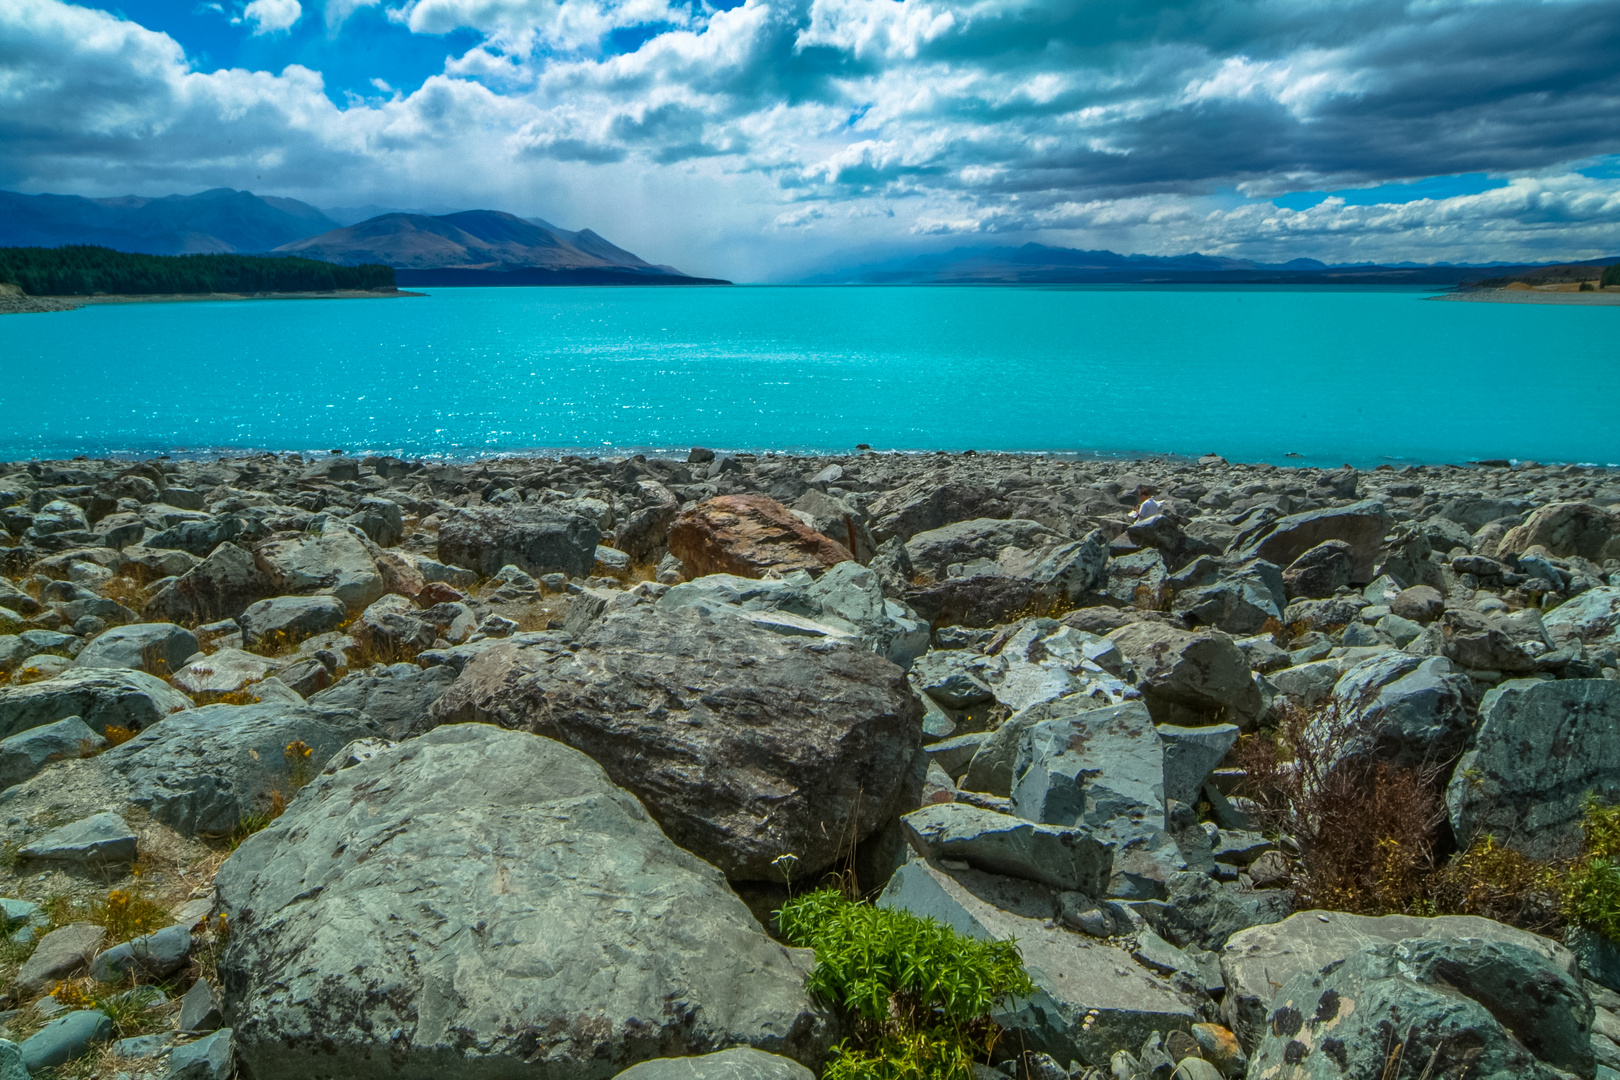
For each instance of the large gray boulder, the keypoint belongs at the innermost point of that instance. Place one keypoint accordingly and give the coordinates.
(101, 697)
(1360, 525)
(336, 560)
(1481, 642)
(482, 903)
(1103, 771)
(27, 752)
(1243, 602)
(537, 541)
(159, 648)
(743, 744)
(219, 587)
(738, 1063)
(1565, 529)
(926, 503)
(1190, 677)
(92, 841)
(1091, 997)
(1593, 617)
(1540, 749)
(399, 697)
(935, 551)
(1064, 858)
(286, 620)
(1496, 1010)
(1409, 709)
(60, 953)
(1257, 962)
(1016, 582)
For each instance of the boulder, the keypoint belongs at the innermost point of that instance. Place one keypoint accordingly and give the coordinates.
(644, 532)
(1540, 748)
(200, 1008)
(1360, 525)
(838, 521)
(335, 560)
(1191, 754)
(394, 623)
(738, 1063)
(534, 539)
(1102, 771)
(225, 671)
(1042, 660)
(1018, 582)
(1190, 677)
(926, 503)
(1243, 602)
(158, 648)
(1202, 913)
(1256, 963)
(93, 841)
(101, 697)
(1408, 709)
(1566, 529)
(27, 752)
(548, 926)
(747, 535)
(197, 537)
(151, 956)
(382, 520)
(1592, 618)
(1137, 580)
(935, 551)
(1065, 858)
(1091, 997)
(220, 587)
(282, 621)
(210, 1058)
(59, 954)
(743, 744)
(1498, 1010)
(1420, 604)
(398, 697)
(1475, 640)
(1321, 571)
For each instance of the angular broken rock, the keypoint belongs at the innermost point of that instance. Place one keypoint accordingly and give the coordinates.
(534, 539)
(1064, 858)
(1360, 525)
(101, 697)
(1190, 678)
(482, 904)
(93, 841)
(743, 744)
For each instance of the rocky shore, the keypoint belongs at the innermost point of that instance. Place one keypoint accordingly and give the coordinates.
(336, 767)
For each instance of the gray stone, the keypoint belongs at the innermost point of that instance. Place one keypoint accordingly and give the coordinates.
(65, 1039)
(382, 520)
(1137, 580)
(1321, 571)
(644, 530)
(336, 560)
(59, 954)
(1190, 678)
(101, 697)
(1398, 630)
(699, 714)
(25, 754)
(209, 1058)
(1256, 963)
(393, 622)
(1103, 771)
(1565, 529)
(739, 1063)
(927, 503)
(954, 754)
(399, 697)
(1499, 1010)
(1015, 580)
(1593, 617)
(1361, 525)
(933, 552)
(155, 956)
(1064, 858)
(1405, 708)
(225, 671)
(1421, 604)
(200, 1008)
(1474, 640)
(550, 925)
(286, 620)
(158, 648)
(1203, 913)
(1191, 755)
(98, 839)
(1242, 602)
(991, 768)
(1091, 997)
(1541, 747)
(219, 587)
(538, 541)
(141, 1046)
(838, 521)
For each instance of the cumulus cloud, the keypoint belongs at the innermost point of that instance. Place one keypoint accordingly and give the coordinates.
(272, 16)
(1138, 125)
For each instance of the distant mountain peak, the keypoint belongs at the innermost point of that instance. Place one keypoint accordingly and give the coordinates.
(216, 220)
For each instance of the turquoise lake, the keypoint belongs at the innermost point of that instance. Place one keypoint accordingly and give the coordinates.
(1332, 375)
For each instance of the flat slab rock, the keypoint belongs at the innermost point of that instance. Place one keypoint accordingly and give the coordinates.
(742, 1063)
(742, 743)
(747, 535)
(481, 903)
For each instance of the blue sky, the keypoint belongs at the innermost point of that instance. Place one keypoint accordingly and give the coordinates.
(764, 138)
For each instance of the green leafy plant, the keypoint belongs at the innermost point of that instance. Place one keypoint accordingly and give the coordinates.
(1592, 888)
(918, 994)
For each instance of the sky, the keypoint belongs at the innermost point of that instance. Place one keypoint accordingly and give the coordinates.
(769, 139)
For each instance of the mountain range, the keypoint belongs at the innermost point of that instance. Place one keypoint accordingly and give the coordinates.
(1037, 264)
(470, 247)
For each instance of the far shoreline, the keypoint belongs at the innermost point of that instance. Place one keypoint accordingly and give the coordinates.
(1533, 296)
(25, 304)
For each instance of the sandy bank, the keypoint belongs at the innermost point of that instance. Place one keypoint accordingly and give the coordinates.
(1607, 298)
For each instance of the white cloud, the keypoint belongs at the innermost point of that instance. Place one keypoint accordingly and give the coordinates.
(272, 16)
(338, 12)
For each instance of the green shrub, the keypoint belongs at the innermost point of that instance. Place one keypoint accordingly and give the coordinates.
(918, 993)
(1592, 888)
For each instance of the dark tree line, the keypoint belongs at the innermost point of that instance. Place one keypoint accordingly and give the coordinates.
(82, 270)
(1611, 275)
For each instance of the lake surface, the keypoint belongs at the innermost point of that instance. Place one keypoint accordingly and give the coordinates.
(1252, 373)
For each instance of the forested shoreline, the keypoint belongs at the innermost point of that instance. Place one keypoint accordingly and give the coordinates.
(84, 270)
